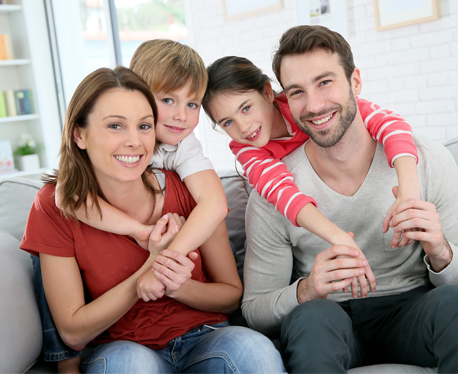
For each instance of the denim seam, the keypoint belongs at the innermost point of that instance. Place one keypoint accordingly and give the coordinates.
(53, 357)
(222, 355)
(87, 363)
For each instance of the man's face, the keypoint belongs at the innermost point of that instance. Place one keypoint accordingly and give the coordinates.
(321, 99)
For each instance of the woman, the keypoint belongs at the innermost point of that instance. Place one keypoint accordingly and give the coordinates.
(107, 143)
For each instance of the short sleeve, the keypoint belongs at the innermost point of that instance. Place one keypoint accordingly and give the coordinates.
(188, 158)
(47, 230)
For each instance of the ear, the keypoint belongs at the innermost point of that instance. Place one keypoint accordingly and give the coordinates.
(269, 92)
(78, 137)
(356, 82)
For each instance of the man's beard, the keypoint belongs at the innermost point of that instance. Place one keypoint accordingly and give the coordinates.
(323, 138)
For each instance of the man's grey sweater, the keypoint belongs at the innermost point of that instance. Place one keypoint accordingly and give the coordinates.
(280, 254)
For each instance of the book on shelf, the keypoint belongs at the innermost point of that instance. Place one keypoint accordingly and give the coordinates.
(6, 47)
(10, 103)
(2, 104)
(16, 103)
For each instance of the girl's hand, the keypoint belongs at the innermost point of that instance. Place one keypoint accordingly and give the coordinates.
(363, 279)
(399, 240)
(173, 269)
(142, 235)
(167, 227)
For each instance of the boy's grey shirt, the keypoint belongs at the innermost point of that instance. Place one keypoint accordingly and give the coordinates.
(280, 254)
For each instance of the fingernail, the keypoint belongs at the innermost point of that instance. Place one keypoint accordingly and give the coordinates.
(365, 263)
(393, 247)
(165, 216)
(361, 271)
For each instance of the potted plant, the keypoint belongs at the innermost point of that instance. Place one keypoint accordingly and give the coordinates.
(26, 153)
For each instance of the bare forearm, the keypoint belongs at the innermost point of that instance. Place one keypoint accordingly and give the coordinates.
(311, 219)
(209, 297)
(406, 170)
(92, 319)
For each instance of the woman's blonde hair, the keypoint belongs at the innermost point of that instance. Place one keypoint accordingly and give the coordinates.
(167, 66)
(76, 175)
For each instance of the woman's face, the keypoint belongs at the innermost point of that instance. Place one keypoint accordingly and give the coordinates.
(120, 137)
(248, 118)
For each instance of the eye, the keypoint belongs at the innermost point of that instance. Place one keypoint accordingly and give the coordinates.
(114, 126)
(227, 123)
(294, 93)
(167, 101)
(193, 105)
(324, 83)
(145, 126)
(246, 109)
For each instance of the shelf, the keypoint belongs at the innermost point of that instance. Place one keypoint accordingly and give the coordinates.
(26, 117)
(23, 174)
(14, 62)
(5, 8)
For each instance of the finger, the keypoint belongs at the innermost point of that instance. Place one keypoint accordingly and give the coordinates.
(161, 224)
(387, 219)
(340, 274)
(413, 204)
(403, 241)
(418, 223)
(370, 278)
(414, 213)
(342, 263)
(176, 257)
(354, 287)
(183, 220)
(363, 286)
(166, 275)
(396, 239)
(337, 250)
(335, 286)
(351, 235)
(193, 256)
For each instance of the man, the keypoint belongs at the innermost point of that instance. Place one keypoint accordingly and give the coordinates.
(294, 280)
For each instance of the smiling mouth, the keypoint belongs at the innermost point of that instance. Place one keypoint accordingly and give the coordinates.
(254, 133)
(175, 129)
(128, 159)
(323, 120)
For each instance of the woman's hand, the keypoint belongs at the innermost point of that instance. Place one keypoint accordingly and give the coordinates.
(173, 269)
(166, 229)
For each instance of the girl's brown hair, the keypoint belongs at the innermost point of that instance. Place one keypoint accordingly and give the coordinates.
(76, 175)
(232, 74)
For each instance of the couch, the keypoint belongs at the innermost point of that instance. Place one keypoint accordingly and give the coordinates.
(20, 326)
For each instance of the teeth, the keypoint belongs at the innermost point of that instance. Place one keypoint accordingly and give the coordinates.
(128, 159)
(321, 121)
(254, 134)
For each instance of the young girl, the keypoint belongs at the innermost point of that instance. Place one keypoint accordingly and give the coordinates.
(240, 99)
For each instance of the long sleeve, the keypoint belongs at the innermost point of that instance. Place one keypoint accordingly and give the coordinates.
(271, 179)
(389, 129)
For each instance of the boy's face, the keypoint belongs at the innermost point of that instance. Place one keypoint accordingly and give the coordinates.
(178, 115)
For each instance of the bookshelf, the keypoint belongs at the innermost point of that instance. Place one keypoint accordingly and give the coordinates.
(30, 69)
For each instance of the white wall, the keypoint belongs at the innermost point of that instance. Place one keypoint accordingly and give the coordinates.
(411, 70)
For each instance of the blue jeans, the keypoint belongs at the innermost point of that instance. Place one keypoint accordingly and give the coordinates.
(54, 349)
(217, 348)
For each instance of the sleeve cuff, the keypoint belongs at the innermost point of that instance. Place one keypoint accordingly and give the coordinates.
(402, 155)
(448, 275)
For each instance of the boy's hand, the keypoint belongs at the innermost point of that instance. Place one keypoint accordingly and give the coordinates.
(399, 240)
(166, 229)
(149, 288)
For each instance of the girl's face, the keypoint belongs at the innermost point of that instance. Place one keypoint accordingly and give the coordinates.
(248, 118)
(120, 136)
(178, 115)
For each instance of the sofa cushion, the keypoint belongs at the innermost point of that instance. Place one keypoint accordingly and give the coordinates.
(16, 198)
(20, 324)
(237, 191)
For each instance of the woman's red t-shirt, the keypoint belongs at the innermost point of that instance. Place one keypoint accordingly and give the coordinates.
(106, 259)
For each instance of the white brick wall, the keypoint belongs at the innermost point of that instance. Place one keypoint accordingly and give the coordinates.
(411, 70)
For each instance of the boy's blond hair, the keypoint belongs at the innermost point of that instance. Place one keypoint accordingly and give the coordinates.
(167, 66)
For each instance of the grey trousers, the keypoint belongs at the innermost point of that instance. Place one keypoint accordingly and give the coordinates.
(418, 327)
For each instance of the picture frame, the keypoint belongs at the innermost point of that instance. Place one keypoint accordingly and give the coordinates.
(235, 9)
(332, 14)
(390, 14)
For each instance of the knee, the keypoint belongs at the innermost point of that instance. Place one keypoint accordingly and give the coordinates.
(444, 299)
(316, 313)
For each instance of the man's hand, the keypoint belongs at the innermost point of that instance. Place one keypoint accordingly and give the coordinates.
(330, 273)
(423, 221)
(399, 240)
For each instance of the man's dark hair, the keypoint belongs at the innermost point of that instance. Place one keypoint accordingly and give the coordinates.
(303, 39)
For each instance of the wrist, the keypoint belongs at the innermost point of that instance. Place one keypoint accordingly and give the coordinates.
(440, 262)
(302, 292)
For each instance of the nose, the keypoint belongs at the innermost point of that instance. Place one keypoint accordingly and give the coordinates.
(315, 102)
(132, 139)
(244, 125)
(180, 113)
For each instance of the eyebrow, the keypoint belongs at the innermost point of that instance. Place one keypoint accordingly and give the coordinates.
(238, 108)
(122, 117)
(314, 80)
